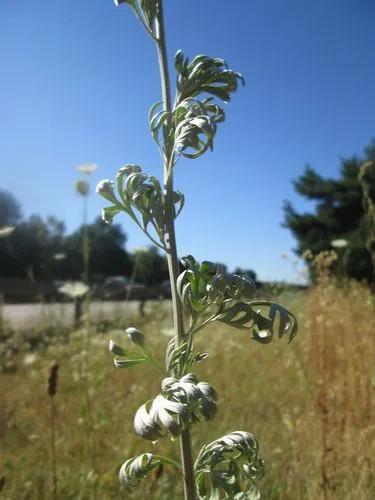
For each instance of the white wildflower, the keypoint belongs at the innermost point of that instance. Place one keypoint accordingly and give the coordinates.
(74, 289)
(59, 256)
(29, 359)
(6, 231)
(339, 243)
(87, 168)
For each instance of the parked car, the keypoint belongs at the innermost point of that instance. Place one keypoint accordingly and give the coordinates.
(119, 288)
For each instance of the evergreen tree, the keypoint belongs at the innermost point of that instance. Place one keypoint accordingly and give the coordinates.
(338, 213)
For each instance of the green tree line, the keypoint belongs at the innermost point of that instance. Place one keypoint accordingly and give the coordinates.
(40, 249)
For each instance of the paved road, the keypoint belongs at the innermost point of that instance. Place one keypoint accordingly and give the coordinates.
(28, 315)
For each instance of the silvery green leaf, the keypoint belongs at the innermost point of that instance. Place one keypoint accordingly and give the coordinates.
(282, 320)
(119, 2)
(199, 397)
(142, 197)
(207, 284)
(205, 75)
(144, 10)
(194, 125)
(248, 316)
(207, 390)
(135, 469)
(178, 357)
(171, 415)
(242, 287)
(229, 465)
(105, 189)
(128, 169)
(242, 315)
(189, 262)
(194, 135)
(163, 416)
(179, 62)
(178, 201)
(121, 362)
(108, 213)
(157, 119)
(145, 426)
(148, 8)
(182, 402)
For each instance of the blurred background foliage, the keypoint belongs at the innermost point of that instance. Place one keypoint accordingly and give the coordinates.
(40, 249)
(337, 212)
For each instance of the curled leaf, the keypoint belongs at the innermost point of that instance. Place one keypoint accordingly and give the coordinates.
(205, 75)
(142, 197)
(229, 465)
(145, 11)
(108, 213)
(249, 316)
(200, 397)
(195, 126)
(206, 284)
(181, 402)
(105, 189)
(135, 469)
(162, 416)
(190, 127)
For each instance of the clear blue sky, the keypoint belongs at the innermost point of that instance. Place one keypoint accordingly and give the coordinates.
(78, 78)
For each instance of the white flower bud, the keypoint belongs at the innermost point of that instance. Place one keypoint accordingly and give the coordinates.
(135, 336)
(105, 189)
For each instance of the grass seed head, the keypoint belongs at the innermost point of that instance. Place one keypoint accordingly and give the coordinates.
(53, 379)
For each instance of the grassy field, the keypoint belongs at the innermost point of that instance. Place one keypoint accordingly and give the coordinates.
(310, 404)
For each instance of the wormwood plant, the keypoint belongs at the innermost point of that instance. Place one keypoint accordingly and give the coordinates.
(201, 295)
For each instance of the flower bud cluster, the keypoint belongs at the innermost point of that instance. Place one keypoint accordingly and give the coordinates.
(142, 197)
(206, 284)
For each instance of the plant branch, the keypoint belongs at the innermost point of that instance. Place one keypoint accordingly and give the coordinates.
(173, 267)
(168, 461)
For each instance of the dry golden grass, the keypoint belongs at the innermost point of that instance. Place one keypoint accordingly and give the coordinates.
(342, 349)
(310, 404)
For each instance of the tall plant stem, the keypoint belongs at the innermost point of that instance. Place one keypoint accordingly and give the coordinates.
(53, 447)
(85, 242)
(178, 321)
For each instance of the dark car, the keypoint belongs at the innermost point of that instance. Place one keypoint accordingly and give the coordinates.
(119, 288)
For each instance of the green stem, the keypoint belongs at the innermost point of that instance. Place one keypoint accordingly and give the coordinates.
(169, 461)
(202, 325)
(173, 267)
(85, 243)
